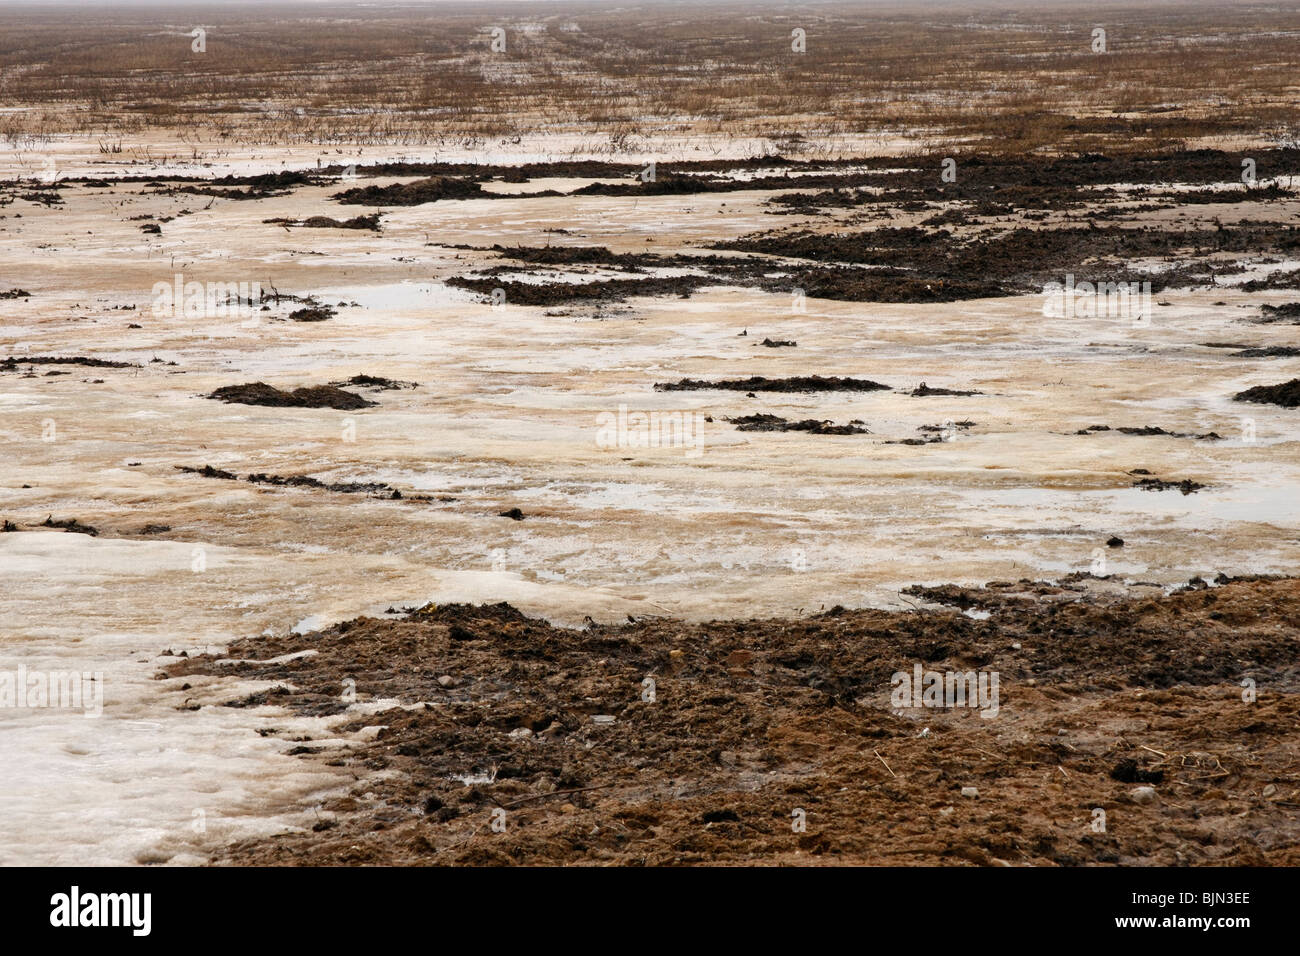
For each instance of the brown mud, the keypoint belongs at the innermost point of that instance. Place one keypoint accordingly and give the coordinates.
(1149, 431)
(13, 361)
(751, 726)
(1023, 259)
(923, 390)
(413, 194)
(1271, 351)
(377, 489)
(559, 293)
(1287, 394)
(313, 313)
(996, 182)
(1287, 312)
(70, 524)
(207, 471)
(1186, 486)
(989, 253)
(981, 257)
(581, 255)
(369, 222)
(316, 396)
(760, 383)
(1277, 280)
(376, 382)
(775, 423)
(252, 193)
(850, 284)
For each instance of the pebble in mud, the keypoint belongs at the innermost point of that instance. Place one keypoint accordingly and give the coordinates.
(970, 792)
(1143, 796)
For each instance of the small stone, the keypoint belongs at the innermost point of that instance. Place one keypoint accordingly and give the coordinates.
(1015, 647)
(446, 680)
(676, 653)
(970, 792)
(602, 718)
(1115, 542)
(521, 732)
(946, 812)
(1143, 796)
(1269, 791)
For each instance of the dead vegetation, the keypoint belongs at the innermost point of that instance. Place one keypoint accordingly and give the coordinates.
(1167, 74)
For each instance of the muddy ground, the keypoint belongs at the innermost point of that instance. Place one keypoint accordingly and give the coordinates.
(920, 417)
(1286, 394)
(1132, 727)
(1005, 227)
(318, 396)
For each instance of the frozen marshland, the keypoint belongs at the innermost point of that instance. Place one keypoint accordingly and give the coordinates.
(509, 446)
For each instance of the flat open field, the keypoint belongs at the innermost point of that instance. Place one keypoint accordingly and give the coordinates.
(592, 430)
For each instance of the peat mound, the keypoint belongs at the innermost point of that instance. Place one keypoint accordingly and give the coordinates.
(316, 396)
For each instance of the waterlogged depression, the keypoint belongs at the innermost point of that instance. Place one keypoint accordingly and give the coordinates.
(507, 412)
